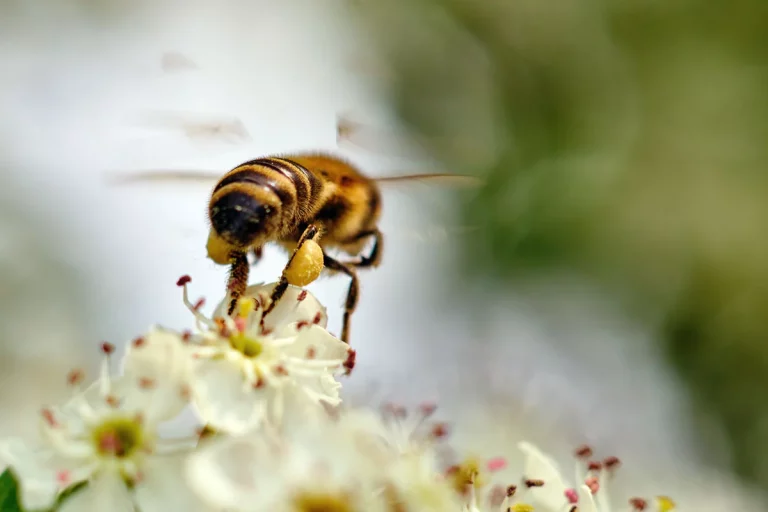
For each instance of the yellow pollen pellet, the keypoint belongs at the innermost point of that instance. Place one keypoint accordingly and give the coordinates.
(307, 264)
(665, 504)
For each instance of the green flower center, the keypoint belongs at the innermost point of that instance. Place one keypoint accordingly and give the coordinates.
(246, 345)
(118, 437)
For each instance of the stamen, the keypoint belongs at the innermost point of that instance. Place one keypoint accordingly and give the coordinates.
(105, 380)
(533, 483)
(49, 418)
(428, 409)
(138, 342)
(572, 496)
(349, 364)
(665, 503)
(302, 324)
(612, 462)
(594, 466)
(302, 295)
(199, 318)
(199, 304)
(107, 348)
(638, 504)
(496, 464)
(511, 490)
(318, 318)
(75, 377)
(63, 478)
(593, 483)
(584, 452)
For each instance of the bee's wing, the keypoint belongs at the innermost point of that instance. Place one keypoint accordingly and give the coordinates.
(164, 176)
(433, 202)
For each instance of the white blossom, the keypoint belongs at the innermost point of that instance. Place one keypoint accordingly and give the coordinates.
(248, 368)
(106, 436)
(331, 465)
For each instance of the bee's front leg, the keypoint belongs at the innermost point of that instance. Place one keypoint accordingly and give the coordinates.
(238, 279)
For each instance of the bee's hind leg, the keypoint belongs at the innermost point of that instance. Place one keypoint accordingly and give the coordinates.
(310, 233)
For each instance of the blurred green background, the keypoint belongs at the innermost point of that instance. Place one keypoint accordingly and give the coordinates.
(625, 141)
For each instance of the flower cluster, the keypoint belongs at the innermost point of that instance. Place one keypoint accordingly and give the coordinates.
(272, 433)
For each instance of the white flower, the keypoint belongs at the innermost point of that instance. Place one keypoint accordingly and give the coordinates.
(107, 436)
(543, 488)
(330, 465)
(249, 368)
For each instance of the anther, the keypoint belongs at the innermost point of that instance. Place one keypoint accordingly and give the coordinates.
(611, 462)
(185, 336)
(349, 363)
(594, 465)
(147, 383)
(49, 418)
(311, 352)
(75, 377)
(572, 496)
(574, 509)
(584, 452)
(138, 342)
(107, 348)
(511, 490)
(112, 401)
(183, 280)
(533, 483)
(439, 431)
(280, 370)
(638, 504)
(496, 464)
(593, 483)
(302, 295)
(318, 317)
(265, 331)
(260, 383)
(428, 409)
(63, 478)
(302, 324)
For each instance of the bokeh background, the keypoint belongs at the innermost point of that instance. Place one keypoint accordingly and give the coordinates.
(607, 284)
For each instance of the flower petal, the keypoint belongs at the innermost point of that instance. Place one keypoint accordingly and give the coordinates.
(320, 343)
(156, 371)
(37, 481)
(222, 398)
(164, 487)
(105, 492)
(539, 466)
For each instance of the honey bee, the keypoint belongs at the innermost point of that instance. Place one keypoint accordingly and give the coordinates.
(294, 200)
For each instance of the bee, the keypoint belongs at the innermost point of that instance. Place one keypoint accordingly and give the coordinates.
(290, 201)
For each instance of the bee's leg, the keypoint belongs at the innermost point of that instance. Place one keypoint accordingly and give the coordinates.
(238, 279)
(310, 233)
(257, 254)
(352, 292)
(374, 258)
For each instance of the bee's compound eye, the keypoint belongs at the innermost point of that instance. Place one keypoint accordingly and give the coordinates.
(238, 217)
(306, 265)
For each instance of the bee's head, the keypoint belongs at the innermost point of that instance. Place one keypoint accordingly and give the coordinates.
(238, 221)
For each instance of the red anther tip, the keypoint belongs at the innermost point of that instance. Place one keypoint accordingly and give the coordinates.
(611, 462)
(440, 431)
(638, 504)
(594, 465)
(534, 483)
(572, 496)
(349, 364)
(318, 317)
(584, 451)
(183, 280)
(302, 295)
(496, 464)
(75, 377)
(593, 483)
(428, 408)
(107, 347)
(138, 342)
(311, 352)
(511, 490)
(49, 418)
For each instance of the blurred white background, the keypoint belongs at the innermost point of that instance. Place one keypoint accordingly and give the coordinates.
(73, 89)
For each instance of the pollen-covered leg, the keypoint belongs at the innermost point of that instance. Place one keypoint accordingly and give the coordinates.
(352, 292)
(238, 279)
(311, 234)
